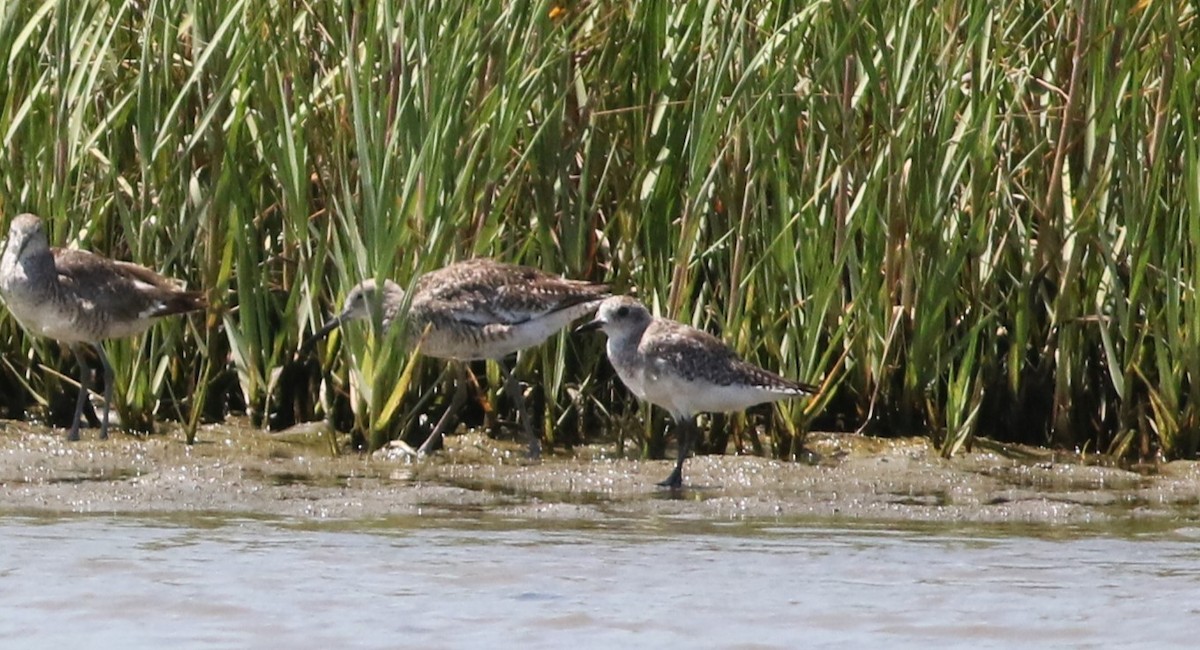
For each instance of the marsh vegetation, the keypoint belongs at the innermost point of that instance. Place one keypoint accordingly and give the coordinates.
(959, 219)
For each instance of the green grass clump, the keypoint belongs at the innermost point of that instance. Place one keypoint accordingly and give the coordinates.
(960, 218)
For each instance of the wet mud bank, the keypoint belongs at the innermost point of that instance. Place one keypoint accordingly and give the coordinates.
(235, 471)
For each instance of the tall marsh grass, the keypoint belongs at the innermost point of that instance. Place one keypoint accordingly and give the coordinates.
(959, 218)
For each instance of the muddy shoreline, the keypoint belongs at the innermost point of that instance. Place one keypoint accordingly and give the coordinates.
(234, 470)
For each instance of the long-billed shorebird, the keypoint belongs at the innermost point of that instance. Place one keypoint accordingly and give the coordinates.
(78, 297)
(472, 310)
(682, 369)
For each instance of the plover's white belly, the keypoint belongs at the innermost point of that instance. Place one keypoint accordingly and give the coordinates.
(119, 329)
(45, 317)
(658, 384)
(634, 378)
(444, 344)
(53, 323)
(668, 390)
(694, 397)
(496, 341)
(70, 319)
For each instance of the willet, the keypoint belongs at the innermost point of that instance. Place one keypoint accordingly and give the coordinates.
(77, 297)
(683, 370)
(472, 310)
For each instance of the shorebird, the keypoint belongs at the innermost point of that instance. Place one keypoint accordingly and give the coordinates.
(472, 310)
(683, 370)
(79, 297)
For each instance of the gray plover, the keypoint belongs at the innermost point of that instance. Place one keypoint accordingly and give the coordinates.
(682, 369)
(472, 310)
(78, 297)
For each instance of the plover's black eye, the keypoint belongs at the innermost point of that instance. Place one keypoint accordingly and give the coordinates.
(622, 312)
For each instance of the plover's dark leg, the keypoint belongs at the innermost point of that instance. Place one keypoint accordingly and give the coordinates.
(687, 431)
(73, 434)
(513, 388)
(456, 402)
(108, 384)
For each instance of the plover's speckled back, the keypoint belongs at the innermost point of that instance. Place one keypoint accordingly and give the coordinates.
(477, 309)
(77, 297)
(682, 369)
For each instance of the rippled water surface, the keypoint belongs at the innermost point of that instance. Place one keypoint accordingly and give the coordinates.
(470, 581)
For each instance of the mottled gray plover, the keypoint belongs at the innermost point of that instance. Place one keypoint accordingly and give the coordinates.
(78, 297)
(683, 370)
(472, 310)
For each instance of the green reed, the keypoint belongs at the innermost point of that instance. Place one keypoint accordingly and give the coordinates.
(959, 219)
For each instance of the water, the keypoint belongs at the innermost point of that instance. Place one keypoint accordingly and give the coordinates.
(471, 581)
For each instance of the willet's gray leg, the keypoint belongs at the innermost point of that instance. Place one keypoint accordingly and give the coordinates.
(518, 397)
(73, 434)
(456, 402)
(687, 433)
(108, 382)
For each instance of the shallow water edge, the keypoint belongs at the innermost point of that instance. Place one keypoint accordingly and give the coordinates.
(236, 470)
